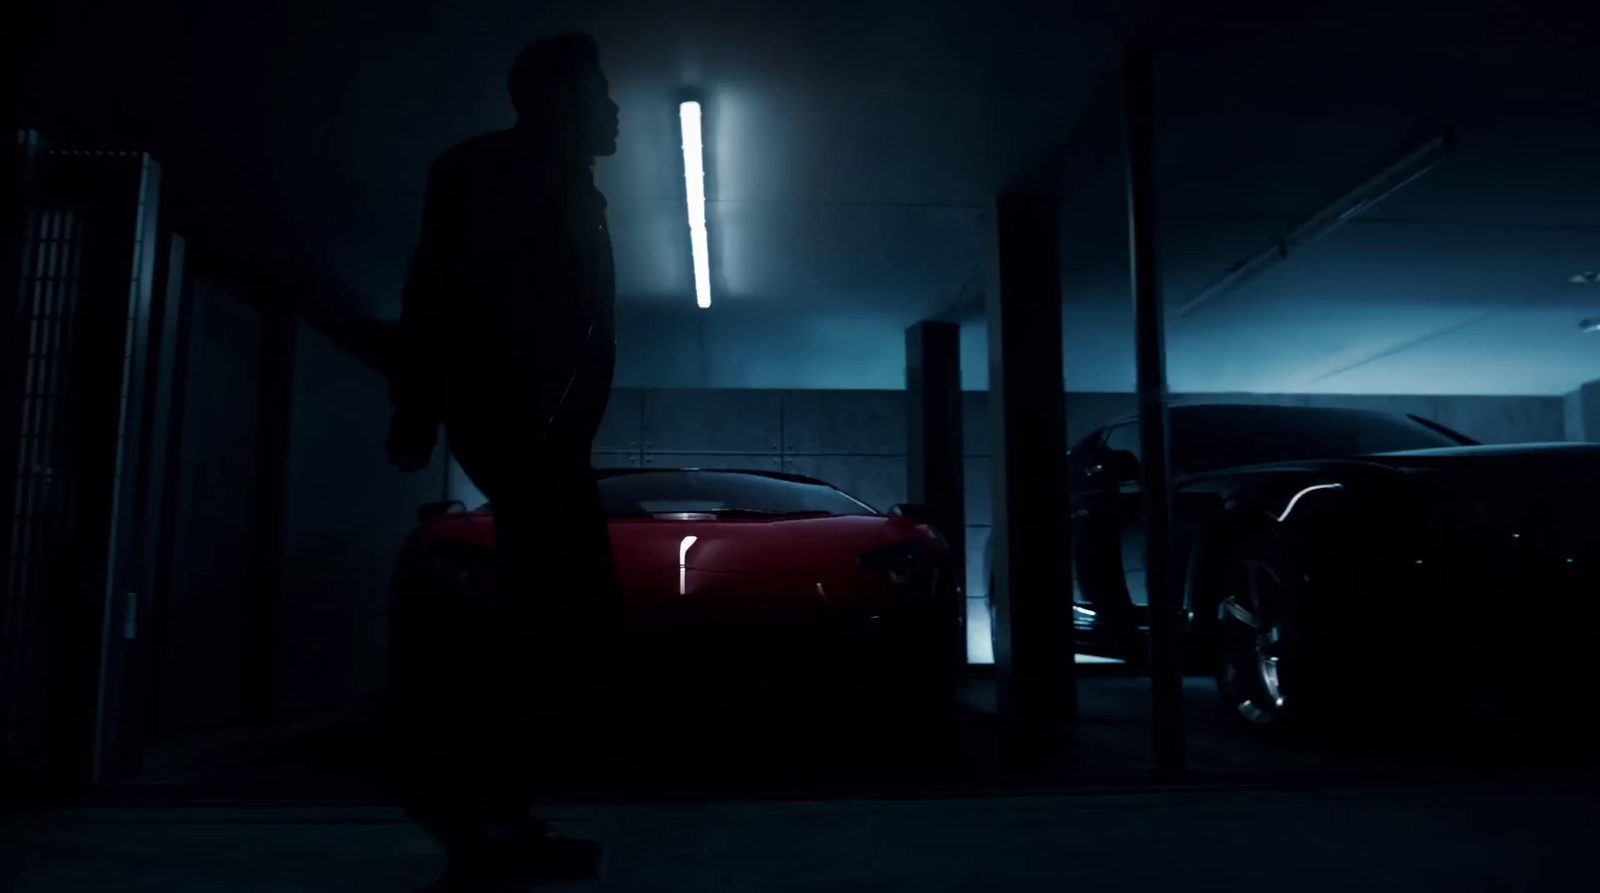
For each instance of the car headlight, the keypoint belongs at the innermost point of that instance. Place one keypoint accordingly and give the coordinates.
(900, 562)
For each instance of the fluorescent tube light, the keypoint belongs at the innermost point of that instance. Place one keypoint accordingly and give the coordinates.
(694, 176)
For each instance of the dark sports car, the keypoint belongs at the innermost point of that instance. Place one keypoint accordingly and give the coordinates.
(1334, 560)
(759, 578)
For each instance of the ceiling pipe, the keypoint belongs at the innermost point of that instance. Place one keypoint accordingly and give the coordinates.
(1372, 191)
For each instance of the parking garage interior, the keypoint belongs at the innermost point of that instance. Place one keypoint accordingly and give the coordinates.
(950, 247)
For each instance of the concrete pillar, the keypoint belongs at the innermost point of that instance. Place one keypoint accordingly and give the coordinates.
(1032, 591)
(1581, 411)
(934, 465)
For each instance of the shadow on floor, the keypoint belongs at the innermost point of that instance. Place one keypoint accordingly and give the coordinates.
(1480, 839)
(298, 811)
(1109, 746)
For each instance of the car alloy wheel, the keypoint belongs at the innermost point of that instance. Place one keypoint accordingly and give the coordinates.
(1252, 640)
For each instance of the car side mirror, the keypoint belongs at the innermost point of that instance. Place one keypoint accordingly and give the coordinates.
(1119, 466)
(909, 510)
(435, 509)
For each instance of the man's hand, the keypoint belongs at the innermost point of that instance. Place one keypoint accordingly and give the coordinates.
(411, 441)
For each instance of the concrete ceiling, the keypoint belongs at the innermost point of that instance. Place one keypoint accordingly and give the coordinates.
(853, 149)
(1456, 284)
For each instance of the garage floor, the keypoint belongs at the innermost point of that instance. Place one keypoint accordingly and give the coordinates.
(1109, 745)
(297, 811)
(1465, 840)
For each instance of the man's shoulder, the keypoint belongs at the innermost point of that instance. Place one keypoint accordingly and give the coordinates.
(471, 156)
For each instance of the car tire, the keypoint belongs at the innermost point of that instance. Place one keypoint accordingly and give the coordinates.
(1261, 658)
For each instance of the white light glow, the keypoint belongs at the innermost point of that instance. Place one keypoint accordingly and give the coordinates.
(980, 642)
(1283, 517)
(694, 177)
(683, 564)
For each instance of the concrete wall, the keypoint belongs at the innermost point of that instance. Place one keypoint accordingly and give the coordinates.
(856, 439)
(347, 512)
(1581, 413)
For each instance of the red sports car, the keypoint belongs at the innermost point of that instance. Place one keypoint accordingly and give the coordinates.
(760, 579)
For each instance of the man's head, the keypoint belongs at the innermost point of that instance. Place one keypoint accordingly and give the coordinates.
(556, 84)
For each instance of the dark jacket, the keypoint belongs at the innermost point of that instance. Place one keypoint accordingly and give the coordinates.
(511, 281)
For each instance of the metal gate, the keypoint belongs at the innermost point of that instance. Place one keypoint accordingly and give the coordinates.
(81, 332)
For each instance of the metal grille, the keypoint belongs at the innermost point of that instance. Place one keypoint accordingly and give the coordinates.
(43, 505)
(78, 332)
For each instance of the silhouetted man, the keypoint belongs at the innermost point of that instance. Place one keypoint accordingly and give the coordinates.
(508, 341)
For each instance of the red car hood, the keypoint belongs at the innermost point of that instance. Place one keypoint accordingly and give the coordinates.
(777, 546)
(803, 546)
(790, 560)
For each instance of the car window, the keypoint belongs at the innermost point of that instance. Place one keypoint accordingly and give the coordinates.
(1217, 436)
(1207, 436)
(648, 493)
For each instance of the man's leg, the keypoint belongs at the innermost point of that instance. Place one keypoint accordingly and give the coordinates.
(468, 752)
(434, 641)
(453, 734)
(524, 706)
(585, 597)
(582, 610)
(454, 681)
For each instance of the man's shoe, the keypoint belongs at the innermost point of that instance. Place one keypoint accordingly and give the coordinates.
(522, 864)
(461, 880)
(533, 860)
(547, 859)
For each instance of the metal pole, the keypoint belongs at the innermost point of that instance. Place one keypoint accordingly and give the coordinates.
(935, 473)
(1166, 682)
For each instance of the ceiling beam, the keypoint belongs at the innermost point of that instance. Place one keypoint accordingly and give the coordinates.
(1408, 344)
(1374, 189)
(968, 302)
(1096, 138)
(1094, 142)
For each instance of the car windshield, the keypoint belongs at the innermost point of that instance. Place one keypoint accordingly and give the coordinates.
(1218, 436)
(643, 494)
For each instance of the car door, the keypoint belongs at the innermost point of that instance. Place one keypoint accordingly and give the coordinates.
(1193, 507)
(1097, 553)
(1124, 509)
